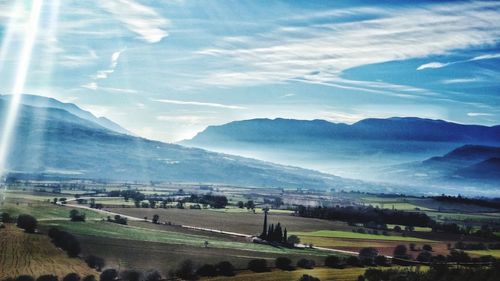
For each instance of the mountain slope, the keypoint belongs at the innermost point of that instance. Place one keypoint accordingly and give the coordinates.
(40, 101)
(53, 143)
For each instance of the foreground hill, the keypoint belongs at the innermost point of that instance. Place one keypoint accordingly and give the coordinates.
(34, 254)
(53, 143)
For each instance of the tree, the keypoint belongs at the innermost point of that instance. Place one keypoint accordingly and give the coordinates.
(156, 218)
(95, 262)
(352, 261)
(427, 247)
(305, 263)
(240, 204)
(333, 261)
(131, 275)
(75, 215)
(424, 256)
(153, 275)
(284, 263)
(258, 265)
(72, 277)
(293, 239)
(5, 217)
(27, 222)
(25, 278)
(250, 204)
(89, 278)
(225, 268)
(108, 275)
(47, 277)
(207, 270)
(367, 255)
(401, 252)
(186, 270)
(381, 260)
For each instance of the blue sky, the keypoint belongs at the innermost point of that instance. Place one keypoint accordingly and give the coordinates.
(167, 69)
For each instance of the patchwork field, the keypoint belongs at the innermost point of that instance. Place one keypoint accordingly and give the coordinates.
(34, 254)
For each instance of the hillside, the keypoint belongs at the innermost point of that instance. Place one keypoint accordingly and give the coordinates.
(53, 143)
(34, 254)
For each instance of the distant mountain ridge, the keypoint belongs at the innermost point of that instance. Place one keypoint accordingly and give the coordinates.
(40, 101)
(395, 128)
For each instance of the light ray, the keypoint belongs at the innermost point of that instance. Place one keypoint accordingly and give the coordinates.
(19, 83)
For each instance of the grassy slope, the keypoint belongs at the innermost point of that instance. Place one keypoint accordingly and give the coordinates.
(34, 254)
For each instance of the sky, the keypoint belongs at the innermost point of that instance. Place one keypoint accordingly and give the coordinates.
(166, 70)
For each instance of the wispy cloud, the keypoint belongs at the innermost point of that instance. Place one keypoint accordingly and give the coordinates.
(432, 65)
(440, 64)
(461, 80)
(319, 53)
(476, 114)
(138, 18)
(196, 103)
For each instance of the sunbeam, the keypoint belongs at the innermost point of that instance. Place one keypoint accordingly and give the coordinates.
(19, 83)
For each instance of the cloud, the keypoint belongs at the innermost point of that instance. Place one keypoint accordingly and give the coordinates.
(195, 103)
(329, 47)
(460, 80)
(432, 65)
(476, 114)
(187, 119)
(138, 18)
(485, 57)
(104, 74)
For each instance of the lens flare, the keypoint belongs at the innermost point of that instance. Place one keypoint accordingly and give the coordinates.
(30, 32)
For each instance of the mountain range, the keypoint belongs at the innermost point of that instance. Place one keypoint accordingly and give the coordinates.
(397, 150)
(54, 140)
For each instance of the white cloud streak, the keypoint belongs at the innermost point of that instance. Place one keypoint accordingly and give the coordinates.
(319, 53)
(196, 103)
(140, 19)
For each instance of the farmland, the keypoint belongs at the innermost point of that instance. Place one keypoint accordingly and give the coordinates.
(34, 254)
(325, 274)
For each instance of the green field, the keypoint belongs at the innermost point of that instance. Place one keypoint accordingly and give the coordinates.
(111, 230)
(355, 235)
(44, 211)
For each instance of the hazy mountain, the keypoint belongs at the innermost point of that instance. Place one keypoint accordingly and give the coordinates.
(51, 142)
(467, 165)
(40, 101)
(355, 151)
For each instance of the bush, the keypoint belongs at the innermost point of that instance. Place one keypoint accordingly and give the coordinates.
(131, 275)
(333, 261)
(293, 239)
(283, 263)
(207, 270)
(353, 261)
(186, 270)
(424, 256)
(401, 252)
(95, 262)
(427, 247)
(307, 277)
(47, 277)
(27, 222)
(258, 265)
(72, 277)
(65, 241)
(5, 217)
(305, 263)
(153, 275)
(367, 255)
(225, 268)
(381, 261)
(108, 275)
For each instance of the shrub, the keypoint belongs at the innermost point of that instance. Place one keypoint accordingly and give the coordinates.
(47, 277)
(424, 256)
(401, 252)
(72, 277)
(186, 270)
(207, 270)
(89, 278)
(27, 222)
(367, 255)
(305, 263)
(307, 277)
(131, 275)
(293, 239)
(427, 247)
(333, 261)
(5, 217)
(95, 262)
(258, 265)
(381, 261)
(353, 261)
(153, 275)
(225, 268)
(283, 263)
(108, 275)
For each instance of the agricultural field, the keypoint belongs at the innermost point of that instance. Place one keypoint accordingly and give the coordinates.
(34, 254)
(324, 274)
(494, 253)
(241, 222)
(361, 236)
(42, 210)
